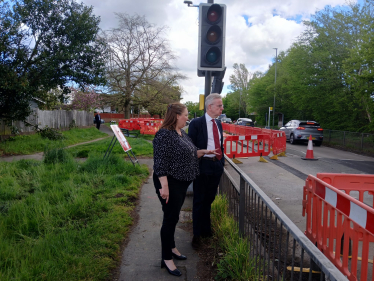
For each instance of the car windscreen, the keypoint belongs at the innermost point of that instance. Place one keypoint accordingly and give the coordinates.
(309, 124)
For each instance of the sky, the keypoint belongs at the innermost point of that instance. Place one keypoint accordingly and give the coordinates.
(253, 29)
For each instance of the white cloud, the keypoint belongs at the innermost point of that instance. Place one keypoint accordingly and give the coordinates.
(271, 24)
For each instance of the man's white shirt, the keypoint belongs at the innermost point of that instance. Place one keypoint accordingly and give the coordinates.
(209, 126)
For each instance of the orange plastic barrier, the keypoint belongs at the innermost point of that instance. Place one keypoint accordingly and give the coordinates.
(247, 146)
(277, 138)
(124, 124)
(349, 182)
(334, 219)
(150, 128)
(138, 124)
(278, 142)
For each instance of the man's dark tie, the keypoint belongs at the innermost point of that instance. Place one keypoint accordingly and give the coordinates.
(216, 140)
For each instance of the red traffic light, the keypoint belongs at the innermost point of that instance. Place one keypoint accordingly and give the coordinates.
(214, 13)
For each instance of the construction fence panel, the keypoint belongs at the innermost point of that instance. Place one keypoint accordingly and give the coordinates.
(341, 226)
(247, 146)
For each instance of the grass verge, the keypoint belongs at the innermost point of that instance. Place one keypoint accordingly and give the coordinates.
(236, 263)
(139, 146)
(29, 144)
(63, 220)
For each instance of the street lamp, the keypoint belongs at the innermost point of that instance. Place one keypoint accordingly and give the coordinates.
(240, 101)
(275, 82)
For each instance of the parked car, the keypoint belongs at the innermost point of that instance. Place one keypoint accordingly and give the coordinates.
(244, 122)
(299, 131)
(221, 116)
(226, 120)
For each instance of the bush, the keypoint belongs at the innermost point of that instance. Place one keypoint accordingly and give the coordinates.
(50, 133)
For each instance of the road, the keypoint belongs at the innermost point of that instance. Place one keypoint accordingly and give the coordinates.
(283, 180)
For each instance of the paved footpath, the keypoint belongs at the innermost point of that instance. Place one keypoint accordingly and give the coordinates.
(141, 258)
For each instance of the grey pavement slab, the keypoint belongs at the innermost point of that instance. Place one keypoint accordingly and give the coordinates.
(141, 258)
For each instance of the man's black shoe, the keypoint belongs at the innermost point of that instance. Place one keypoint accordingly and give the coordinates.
(196, 242)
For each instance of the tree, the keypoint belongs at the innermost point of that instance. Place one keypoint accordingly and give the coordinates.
(359, 65)
(156, 96)
(327, 74)
(86, 100)
(138, 56)
(45, 44)
(193, 108)
(239, 83)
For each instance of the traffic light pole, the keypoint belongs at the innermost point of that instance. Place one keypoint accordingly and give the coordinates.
(208, 84)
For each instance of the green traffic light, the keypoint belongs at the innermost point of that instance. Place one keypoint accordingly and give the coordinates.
(213, 55)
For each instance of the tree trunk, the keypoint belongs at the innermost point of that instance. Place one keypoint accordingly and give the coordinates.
(127, 111)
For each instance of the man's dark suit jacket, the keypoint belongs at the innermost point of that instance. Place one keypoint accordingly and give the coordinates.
(198, 132)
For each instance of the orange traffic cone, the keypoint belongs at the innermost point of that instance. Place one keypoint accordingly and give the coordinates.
(309, 152)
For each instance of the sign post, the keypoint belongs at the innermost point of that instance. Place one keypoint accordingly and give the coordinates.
(118, 135)
(270, 109)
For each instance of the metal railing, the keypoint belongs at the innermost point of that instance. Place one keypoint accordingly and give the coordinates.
(360, 142)
(276, 244)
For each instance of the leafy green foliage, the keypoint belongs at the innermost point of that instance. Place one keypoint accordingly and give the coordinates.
(193, 108)
(50, 133)
(45, 44)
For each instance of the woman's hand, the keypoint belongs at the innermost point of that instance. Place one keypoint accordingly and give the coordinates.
(164, 191)
(203, 152)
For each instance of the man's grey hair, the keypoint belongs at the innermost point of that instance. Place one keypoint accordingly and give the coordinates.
(210, 99)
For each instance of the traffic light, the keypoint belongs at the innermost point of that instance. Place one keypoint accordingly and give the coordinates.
(212, 34)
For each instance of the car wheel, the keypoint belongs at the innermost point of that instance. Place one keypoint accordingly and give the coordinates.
(318, 143)
(292, 139)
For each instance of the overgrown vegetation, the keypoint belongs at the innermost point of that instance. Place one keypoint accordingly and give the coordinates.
(236, 263)
(63, 220)
(28, 144)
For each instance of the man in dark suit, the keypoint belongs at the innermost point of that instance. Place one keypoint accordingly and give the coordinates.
(206, 133)
(97, 120)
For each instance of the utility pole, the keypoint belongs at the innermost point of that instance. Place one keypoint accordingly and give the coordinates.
(240, 100)
(275, 82)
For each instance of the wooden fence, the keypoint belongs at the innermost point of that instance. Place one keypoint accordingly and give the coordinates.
(57, 119)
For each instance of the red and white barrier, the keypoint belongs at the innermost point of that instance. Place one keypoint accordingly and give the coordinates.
(247, 146)
(341, 226)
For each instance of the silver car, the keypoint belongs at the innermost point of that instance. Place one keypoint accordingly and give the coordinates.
(299, 131)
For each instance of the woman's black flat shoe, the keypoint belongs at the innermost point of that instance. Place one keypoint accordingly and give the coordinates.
(174, 272)
(181, 257)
